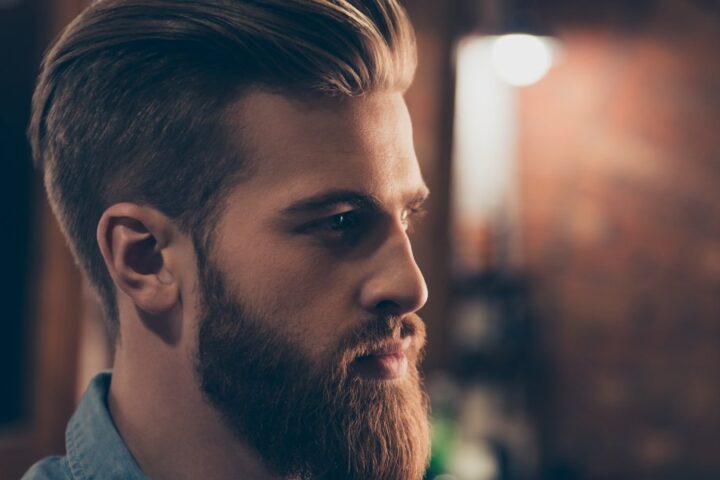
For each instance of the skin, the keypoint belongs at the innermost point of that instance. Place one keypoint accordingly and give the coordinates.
(316, 266)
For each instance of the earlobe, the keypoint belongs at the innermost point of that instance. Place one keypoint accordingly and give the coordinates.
(134, 242)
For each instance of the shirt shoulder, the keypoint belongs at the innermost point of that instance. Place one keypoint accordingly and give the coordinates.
(95, 449)
(51, 468)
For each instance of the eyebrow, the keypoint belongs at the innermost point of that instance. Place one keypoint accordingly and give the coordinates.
(327, 200)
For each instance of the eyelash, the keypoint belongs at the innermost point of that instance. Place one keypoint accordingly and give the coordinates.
(342, 224)
(347, 225)
(341, 221)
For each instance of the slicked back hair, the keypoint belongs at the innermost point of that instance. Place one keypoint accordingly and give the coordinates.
(133, 99)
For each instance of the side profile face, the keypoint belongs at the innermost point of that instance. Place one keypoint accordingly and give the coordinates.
(308, 343)
(316, 239)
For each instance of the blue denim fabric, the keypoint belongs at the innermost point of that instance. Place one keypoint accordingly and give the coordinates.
(93, 444)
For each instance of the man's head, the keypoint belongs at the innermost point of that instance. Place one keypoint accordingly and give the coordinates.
(132, 101)
(241, 173)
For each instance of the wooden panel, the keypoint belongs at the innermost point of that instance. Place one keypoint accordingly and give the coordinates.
(16, 453)
(57, 332)
(52, 313)
(430, 101)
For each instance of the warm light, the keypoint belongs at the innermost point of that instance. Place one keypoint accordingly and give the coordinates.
(521, 59)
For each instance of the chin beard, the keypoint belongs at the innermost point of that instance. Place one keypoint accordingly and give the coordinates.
(304, 420)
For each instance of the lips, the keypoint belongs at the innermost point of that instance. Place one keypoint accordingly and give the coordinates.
(386, 362)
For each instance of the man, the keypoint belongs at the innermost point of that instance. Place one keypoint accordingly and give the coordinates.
(237, 178)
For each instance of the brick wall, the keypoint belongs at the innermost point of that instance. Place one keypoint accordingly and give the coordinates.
(620, 186)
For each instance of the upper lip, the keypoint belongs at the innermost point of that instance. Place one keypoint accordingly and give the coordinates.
(392, 348)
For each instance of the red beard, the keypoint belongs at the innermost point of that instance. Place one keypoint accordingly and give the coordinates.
(305, 421)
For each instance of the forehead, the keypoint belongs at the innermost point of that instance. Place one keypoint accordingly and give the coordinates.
(304, 147)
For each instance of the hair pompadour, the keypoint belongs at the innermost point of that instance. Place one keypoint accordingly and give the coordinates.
(132, 100)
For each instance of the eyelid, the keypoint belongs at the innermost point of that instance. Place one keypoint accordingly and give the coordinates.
(339, 209)
(360, 217)
(332, 211)
(323, 223)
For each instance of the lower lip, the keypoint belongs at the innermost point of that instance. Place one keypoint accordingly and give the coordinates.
(382, 367)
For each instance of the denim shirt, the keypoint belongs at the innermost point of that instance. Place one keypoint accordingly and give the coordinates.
(93, 445)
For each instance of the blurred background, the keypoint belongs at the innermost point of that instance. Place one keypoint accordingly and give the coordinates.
(572, 248)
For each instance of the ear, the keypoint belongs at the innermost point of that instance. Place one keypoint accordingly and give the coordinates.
(136, 243)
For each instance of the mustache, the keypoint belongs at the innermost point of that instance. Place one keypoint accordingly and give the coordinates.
(380, 331)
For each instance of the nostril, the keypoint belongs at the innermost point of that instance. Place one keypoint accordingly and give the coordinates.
(388, 307)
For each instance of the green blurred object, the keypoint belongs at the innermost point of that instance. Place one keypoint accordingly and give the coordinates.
(444, 434)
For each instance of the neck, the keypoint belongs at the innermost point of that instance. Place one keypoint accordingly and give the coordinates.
(170, 430)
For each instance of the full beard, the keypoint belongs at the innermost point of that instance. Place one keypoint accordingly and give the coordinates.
(306, 421)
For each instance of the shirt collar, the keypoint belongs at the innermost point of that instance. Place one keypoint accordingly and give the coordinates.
(95, 449)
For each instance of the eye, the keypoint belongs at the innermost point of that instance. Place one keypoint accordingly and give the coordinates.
(347, 226)
(341, 221)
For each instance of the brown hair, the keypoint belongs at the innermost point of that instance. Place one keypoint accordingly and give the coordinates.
(132, 99)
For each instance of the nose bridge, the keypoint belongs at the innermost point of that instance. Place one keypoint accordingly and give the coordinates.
(396, 282)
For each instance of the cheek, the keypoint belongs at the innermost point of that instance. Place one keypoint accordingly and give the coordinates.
(307, 295)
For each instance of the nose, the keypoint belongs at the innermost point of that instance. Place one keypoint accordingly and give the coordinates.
(395, 285)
